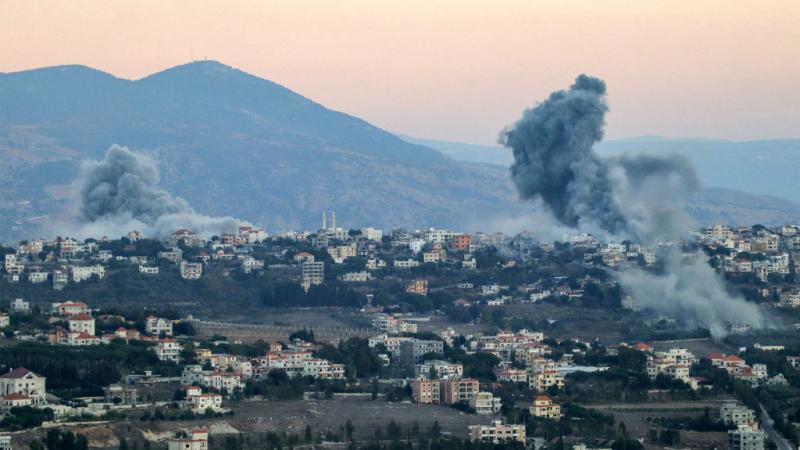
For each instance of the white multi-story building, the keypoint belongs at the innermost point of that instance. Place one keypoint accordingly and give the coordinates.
(372, 234)
(486, 403)
(746, 437)
(157, 325)
(191, 271)
(313, 273)
(168, 350)
(197, 440)
(23, 381)
(69, 308)
(543, 373)
(735, 414)
(443, 370)
(356, 277)
(250, 264)
(199, 402)
(405, 264)
(497, 433)
(83, 273)
(148, 270)
(82, 323)
(543, 407)
(19, 305)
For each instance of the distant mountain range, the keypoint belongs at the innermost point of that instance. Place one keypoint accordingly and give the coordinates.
(766, 167)
(235, 144)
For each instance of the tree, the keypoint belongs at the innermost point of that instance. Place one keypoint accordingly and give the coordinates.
(348, 430)
(308, 435)
(375, 390)
(393, 431)
(435, 430)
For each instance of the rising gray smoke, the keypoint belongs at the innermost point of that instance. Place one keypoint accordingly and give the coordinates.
(120, 193)
(635, 197)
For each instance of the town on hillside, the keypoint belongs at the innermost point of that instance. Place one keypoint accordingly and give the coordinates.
(325, 338)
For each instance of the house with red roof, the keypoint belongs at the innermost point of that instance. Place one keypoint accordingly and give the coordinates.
(23, 381)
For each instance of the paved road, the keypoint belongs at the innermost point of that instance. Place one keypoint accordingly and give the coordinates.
(768, 425)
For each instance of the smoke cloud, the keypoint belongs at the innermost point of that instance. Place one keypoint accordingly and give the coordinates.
(630, 197)
(120, 193)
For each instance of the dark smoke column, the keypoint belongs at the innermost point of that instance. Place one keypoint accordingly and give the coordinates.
(553, 157)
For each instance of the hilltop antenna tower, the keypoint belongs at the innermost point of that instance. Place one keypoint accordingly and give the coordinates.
(324, 220)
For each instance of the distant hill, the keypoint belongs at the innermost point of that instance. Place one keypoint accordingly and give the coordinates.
(231, 144)
(235, 144)
(746, 182)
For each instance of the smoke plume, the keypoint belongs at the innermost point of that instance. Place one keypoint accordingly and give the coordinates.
(631, 197)
(120, 193)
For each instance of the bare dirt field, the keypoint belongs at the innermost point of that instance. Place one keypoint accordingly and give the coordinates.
(699, 347)
(260, 417)
(635, 415)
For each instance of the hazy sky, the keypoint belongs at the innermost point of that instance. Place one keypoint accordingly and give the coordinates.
(457, 70)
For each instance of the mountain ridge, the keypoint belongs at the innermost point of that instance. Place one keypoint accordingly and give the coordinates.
(232, 143)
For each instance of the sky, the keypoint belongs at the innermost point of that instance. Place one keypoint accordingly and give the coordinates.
(454, 70)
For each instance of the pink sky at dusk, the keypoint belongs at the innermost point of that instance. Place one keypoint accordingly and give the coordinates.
(454, 70)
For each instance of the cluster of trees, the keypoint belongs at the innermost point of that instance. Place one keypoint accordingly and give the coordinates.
(84, 371)
(702, 423)
(277, 385)
(360, 361)
(56, 439)
(23, 417)
(277, 294)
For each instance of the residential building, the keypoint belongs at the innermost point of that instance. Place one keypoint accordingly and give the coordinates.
(745, 437)
(83, 273)
(158, 325)
(461, 242)
(412, 351)
(356, 277)
(372, 234)
(442, 370)
(543, 407)
(455, 391)
(69, 308)
(405, 264)
(417, 287)
(168, 350)
(19, 305)
(199, 402)
(191, 271)
(23, 381)
(121, 393)
(5, 442)
(197, 440)
(60, 278)
(148, 270)
(5, 320)
(426, 391)
(732, 413)
(82, 323)
(496, 433)
(486, 403)
(14, 401)
(543, 374)
(313, 273)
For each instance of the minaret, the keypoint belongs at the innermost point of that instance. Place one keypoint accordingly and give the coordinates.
(324, 220)
(333, 219)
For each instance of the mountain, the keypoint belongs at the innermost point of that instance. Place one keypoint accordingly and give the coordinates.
(231, 144)
(235, 144)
